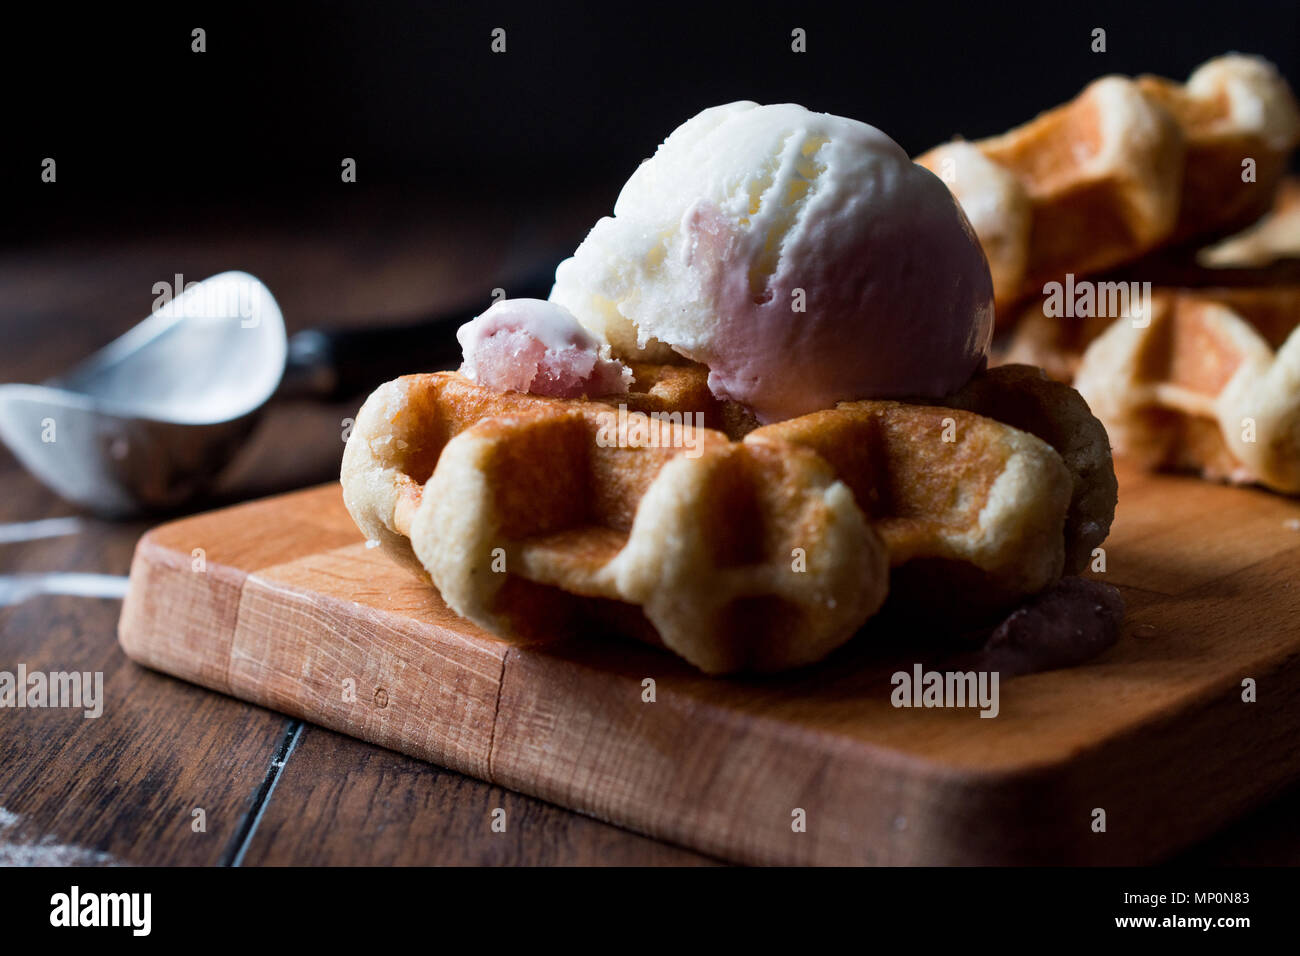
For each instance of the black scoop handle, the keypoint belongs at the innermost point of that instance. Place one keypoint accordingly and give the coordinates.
(333, 364)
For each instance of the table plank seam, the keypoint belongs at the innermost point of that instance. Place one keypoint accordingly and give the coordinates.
(234, 856)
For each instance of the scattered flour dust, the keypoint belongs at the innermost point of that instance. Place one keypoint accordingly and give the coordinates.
(45, 852)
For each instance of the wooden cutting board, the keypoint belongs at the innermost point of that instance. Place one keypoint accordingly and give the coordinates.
(280, 602)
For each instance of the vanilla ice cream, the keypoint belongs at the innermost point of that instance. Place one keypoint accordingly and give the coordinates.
(801, 256)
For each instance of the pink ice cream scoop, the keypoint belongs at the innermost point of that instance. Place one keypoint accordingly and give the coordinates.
(535, 346)
(801, 256)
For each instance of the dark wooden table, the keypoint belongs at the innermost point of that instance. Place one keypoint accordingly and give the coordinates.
(124, 788)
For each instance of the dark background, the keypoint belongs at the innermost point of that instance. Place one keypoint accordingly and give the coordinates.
(144, 130)
(471, 165)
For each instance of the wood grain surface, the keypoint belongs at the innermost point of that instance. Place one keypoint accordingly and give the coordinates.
(293, 606)
(121, 789)
(77, 790)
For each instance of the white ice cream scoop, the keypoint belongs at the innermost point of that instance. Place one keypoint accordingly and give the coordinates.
(802, 257)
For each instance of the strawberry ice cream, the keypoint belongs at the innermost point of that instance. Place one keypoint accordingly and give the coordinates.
(801, 256)
(535, 346)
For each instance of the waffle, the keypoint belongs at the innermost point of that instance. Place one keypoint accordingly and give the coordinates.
(735, 547)
(1231, 109)
(1124, 168)
(404, 425)
(1275, 237)
(1203, 388)
(1057, 344)
(1255, 273)
(1024, 397)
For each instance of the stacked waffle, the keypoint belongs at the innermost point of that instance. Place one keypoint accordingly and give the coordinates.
(1124, 183)
(752, 506)
(735, 546)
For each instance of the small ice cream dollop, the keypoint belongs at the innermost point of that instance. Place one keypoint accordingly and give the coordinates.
(535, 346)
(802, 257)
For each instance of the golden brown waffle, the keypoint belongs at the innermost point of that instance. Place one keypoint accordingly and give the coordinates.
(408, 427)
(1057, 344)
(1201, 388)
(1053, 343)
(1275, 237)
(1024, 397)
(530, 514)
(1125, 167)
(1233, 110)
(984, 515)
(764, 553)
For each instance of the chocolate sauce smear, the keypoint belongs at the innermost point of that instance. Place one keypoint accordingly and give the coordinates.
(1071, 622)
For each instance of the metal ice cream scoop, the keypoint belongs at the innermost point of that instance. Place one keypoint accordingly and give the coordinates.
(150, 421)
